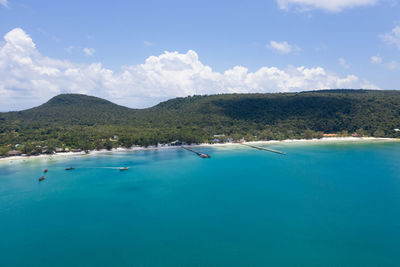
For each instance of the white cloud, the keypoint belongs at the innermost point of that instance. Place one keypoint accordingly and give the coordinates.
(327, 5)
(343, 63)
(392, 38)
(376, 60)
(148, 43)
(89, 51)
(27, 78)
(69, 49)
(392, 65)
(4, 3)
(283, 47)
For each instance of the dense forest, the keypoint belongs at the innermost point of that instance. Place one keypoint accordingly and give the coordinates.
(73, 121)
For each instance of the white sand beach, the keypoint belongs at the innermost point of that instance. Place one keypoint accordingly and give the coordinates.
(138, 148)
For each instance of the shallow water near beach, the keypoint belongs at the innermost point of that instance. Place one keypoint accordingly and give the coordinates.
(335, 204)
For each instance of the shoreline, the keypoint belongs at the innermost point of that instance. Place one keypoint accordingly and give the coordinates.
(162, 147)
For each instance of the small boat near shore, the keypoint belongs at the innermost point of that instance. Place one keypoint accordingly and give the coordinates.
(42, 178)
(124, 168)
(46, 170)
(70, 168)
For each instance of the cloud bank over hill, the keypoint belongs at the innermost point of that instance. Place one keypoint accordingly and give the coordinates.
(28, 78)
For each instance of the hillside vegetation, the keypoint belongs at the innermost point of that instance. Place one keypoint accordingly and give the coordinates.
(86, 122)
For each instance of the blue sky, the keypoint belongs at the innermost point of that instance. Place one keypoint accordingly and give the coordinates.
(212, 47)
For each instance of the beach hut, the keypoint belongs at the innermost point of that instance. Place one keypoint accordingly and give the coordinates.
(329, 135)
(14, 153)
(176, 143)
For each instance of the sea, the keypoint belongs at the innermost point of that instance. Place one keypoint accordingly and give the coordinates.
(321, 204)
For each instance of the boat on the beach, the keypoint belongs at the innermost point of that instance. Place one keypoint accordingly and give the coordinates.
(124, 168)
(69, 168)
(42, 178)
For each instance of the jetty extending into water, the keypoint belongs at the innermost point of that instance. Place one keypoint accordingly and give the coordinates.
(263, 148)
(202, 155)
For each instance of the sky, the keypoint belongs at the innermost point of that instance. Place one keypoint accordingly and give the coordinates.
(138, 53)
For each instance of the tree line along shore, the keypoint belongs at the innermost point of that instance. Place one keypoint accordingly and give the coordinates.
(72, 122)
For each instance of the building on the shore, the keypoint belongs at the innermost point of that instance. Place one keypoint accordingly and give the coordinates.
(176, 143)
(114, 138)
(329, 135)
(14, 153)
(59, 149)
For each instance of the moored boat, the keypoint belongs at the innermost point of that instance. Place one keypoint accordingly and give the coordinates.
(42, 178)
(46, 170)
(69, 168)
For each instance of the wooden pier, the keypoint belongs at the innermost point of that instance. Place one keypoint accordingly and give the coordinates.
(266, 149)
(197, 153)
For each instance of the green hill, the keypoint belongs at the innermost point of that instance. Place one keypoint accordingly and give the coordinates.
(71, 109)
(80, 121)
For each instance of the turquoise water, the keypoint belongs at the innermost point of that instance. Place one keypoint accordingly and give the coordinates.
(320, 205)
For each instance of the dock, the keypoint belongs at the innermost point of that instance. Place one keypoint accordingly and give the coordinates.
(266, 149)
(201, 155)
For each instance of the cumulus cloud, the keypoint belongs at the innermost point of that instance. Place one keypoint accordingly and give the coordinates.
(4, 3)
(148, 43)
(390, 65)
(393, 37)
(28, 78)
(376, 60)
(343, 63)
(327, 5)
(281, 47)
(393, 65)
(88, 51)
(69, 49)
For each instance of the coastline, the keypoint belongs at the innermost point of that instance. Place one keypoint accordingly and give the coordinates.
(138, 148)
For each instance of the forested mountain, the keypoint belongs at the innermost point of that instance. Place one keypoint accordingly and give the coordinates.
(71, 109)
(86, 122)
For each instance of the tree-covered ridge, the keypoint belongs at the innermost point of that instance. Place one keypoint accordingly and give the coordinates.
(71, 109)
(86, 122)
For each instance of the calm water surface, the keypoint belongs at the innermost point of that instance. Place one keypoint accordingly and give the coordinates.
(320, 205)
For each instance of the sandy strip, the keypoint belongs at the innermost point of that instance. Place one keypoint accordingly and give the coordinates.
(137, 148)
